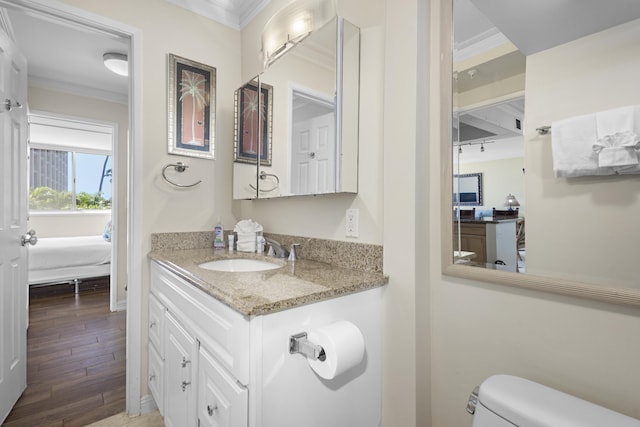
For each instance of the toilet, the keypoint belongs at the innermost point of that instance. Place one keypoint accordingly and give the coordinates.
(507, 401)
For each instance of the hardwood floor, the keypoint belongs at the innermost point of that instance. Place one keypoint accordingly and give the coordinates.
(75, 358)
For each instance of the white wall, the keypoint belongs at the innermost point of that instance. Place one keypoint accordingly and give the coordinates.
(69, 224)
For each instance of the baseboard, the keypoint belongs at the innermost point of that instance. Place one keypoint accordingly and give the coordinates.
(147, 404)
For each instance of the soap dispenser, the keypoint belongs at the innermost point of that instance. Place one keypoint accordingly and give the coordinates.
(218, 236)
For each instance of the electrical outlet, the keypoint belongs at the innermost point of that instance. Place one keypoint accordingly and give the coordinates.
(352, 222)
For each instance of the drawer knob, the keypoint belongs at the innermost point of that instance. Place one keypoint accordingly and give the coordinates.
(185, 384)
(152, 324)
(210, 409)
(152, 377)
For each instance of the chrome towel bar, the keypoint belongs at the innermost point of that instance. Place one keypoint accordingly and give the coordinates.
(178, 167)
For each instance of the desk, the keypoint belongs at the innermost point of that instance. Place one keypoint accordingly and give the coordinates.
(491, 240)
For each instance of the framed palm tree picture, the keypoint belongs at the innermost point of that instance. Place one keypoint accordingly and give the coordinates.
(253, 119)
(191, 108)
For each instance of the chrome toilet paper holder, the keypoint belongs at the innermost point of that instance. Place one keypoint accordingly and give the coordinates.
(298, 343)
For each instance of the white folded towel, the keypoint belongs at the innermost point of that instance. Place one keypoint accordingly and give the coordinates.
(247, 226)
(617, 142)
(572, 142)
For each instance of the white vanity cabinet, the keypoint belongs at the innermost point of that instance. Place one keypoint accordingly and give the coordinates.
(209, 365)
(196, 356)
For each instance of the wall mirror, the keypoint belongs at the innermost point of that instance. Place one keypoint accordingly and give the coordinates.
(513, 73)
(302, 114)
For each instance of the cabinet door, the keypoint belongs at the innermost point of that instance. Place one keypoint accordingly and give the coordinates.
(156, 324)
(179, 393)
(221, 401)
(156, 375)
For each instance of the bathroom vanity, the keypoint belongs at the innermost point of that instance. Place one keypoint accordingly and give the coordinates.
(219, 343)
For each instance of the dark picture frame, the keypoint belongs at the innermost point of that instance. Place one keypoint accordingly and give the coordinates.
(191, 108)
(253, 121)
(469, 187)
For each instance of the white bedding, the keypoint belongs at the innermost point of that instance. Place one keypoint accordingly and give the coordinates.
(59, 258)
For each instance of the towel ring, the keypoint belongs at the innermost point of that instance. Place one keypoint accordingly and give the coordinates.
(178, 167)
(264, 175)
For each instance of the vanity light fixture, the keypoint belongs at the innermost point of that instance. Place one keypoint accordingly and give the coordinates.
(511, 201)
(116, 62)
(292, 24)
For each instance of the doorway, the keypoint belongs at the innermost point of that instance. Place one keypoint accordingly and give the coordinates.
(67, 16)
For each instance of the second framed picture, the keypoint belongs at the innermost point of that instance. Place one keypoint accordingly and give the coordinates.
(253, 119)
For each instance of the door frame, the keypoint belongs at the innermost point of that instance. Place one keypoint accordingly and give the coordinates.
(57, 9)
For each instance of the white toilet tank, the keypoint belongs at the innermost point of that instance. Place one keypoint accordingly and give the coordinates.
(507, 401)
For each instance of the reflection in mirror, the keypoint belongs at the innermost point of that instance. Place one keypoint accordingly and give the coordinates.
(578, 230)
(312, 145)
(467, 189)
(251, 126)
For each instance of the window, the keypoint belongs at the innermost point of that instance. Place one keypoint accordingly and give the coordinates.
(70, 164)
(67, 180)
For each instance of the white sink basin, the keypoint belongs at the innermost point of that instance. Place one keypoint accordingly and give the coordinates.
(239, 265)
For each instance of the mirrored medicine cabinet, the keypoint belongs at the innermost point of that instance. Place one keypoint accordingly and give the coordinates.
(513, 74)
(296, 123)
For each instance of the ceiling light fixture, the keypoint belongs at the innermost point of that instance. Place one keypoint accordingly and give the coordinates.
(116, 62)
(290, 25)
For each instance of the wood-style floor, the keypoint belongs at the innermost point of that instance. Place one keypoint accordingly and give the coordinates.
(75, 358)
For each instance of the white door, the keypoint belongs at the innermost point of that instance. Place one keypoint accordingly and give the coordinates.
(13, 225)
(313, 156)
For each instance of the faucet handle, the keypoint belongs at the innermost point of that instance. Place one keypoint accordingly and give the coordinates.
(271, 252)
(292, 252)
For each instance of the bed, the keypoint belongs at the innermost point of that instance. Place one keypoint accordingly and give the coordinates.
(56, 260)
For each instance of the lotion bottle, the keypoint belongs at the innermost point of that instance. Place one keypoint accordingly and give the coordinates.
(218, 236)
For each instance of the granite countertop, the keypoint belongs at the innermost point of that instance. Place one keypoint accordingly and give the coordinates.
(257, 293)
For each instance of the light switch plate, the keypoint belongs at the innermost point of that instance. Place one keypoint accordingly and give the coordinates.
(352, 222)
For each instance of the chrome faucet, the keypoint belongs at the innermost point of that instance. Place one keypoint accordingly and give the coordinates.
(276, 249)
(292, 252)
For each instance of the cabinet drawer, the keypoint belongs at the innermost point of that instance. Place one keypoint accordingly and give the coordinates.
(224, 331)
(221, 401)
(476, 229)
(154, 380)
(156, 325)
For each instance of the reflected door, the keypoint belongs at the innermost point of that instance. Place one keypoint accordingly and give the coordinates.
(313, 156)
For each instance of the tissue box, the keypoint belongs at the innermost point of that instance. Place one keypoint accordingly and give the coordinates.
(246, 242)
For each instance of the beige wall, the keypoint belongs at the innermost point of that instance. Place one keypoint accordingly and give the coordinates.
(324, 216)
(592, 74)
(79, 224)
(499, 178)
(582, 347)
(170, 29)
(442, 335)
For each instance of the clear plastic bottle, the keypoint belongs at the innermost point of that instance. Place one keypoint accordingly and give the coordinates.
(218, 236)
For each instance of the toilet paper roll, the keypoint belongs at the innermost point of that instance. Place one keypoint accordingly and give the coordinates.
(343, 346)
